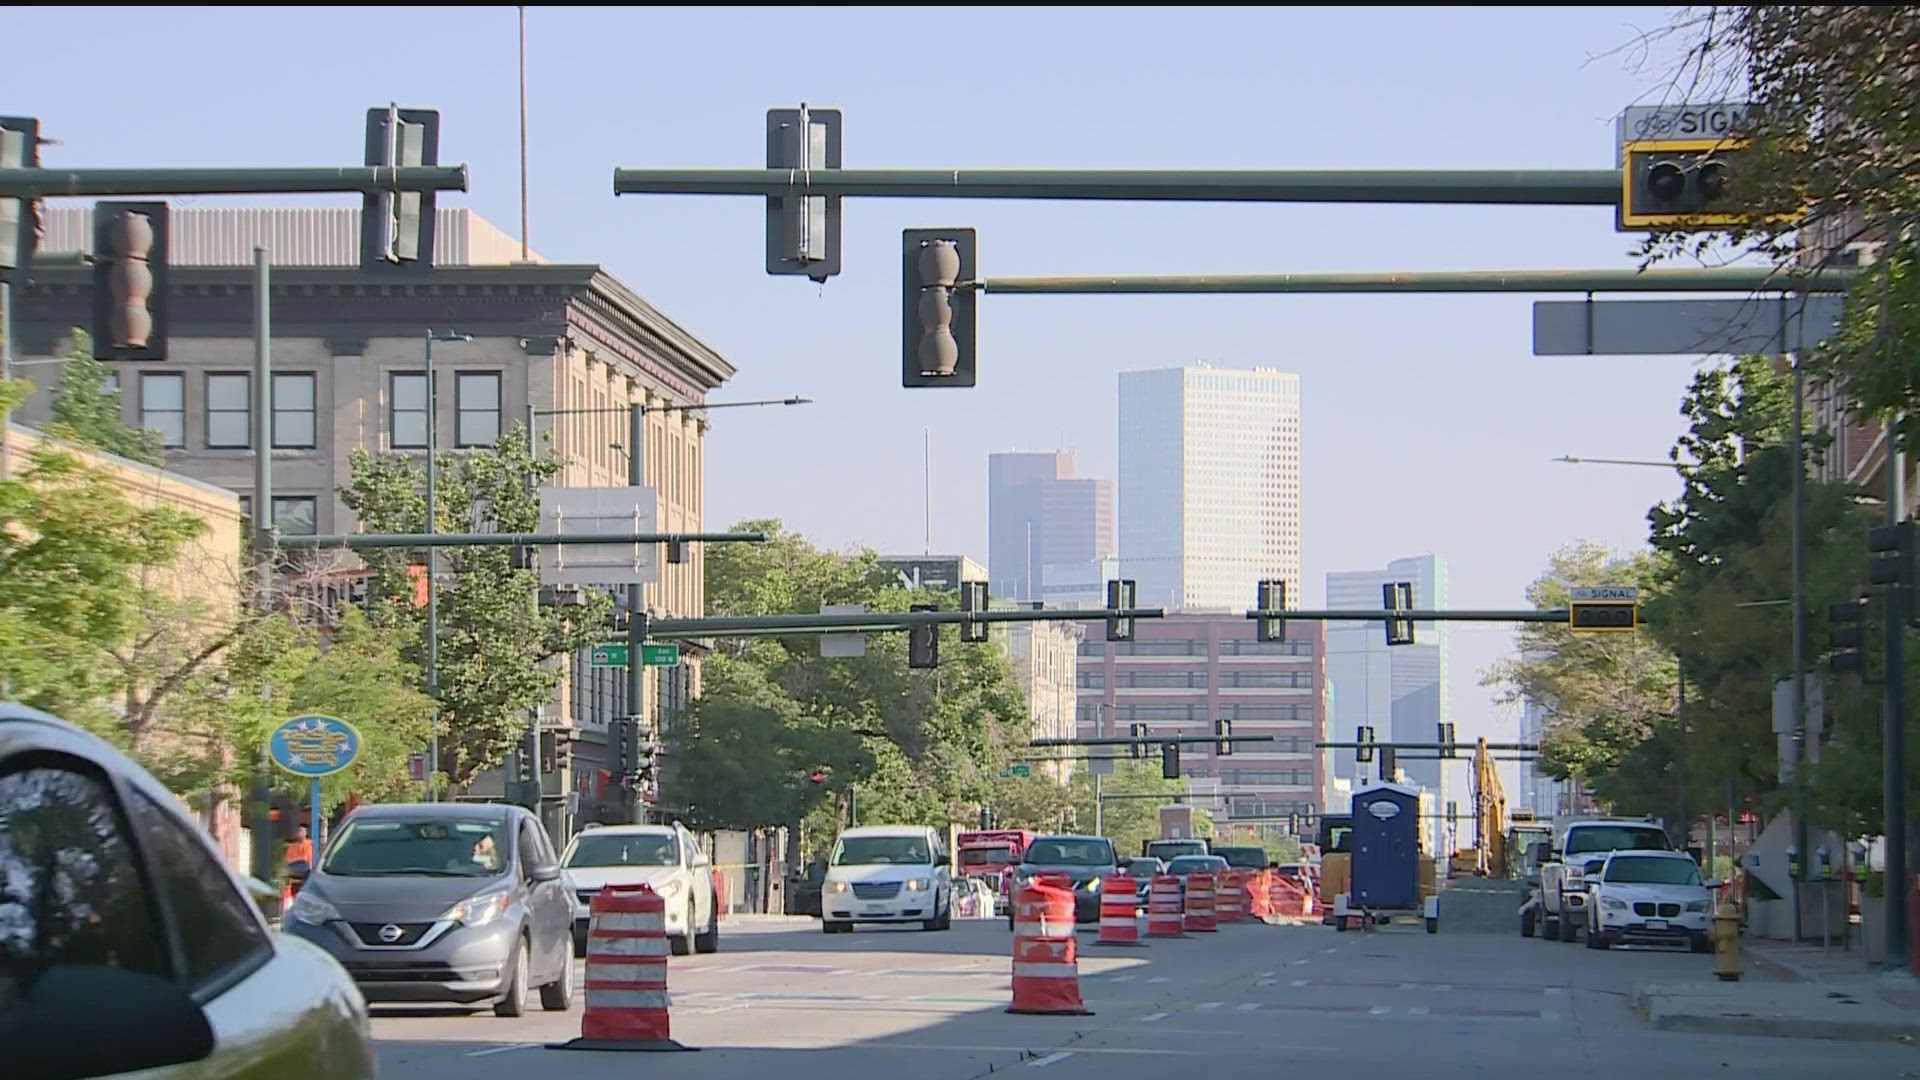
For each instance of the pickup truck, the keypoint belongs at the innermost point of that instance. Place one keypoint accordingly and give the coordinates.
(1558, 908)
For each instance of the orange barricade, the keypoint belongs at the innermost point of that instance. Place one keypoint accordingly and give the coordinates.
(1290, 901)
(1046, 969)
(626, 973)
(1200, 903)
(1229, 896)
(1163, 906)
(1118, 904)
(1259, 903)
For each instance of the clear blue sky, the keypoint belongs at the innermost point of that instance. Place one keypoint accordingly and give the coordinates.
(1428, 426)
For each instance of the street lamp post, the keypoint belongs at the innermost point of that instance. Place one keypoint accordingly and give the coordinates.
(433, 559)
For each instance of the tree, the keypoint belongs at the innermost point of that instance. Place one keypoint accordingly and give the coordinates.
(496, 639)
(1132, 821)
(1036, 802)
(86, 408)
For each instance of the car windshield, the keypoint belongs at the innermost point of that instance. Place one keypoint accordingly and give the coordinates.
(881, 851)
(1070, 853)
(1248, 858)
(630, 849)
(1616, 838)
(1144, 868)
(1195, 864)
(1653, 872)
(384, 847)
(995, 855)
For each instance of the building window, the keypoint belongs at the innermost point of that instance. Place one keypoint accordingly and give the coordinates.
(407, 410)
(477, 408)
(1165, 714)
(1091, 680)
(163, 407)
(229, 411)
(1244, 647)
(1163, 680)
(293, 411)
(1266, 679)
(1269, 713)
(296, 515)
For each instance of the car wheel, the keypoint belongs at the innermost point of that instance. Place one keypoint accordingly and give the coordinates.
(1595, 938)
(831, 927)
(579, 940)
(513, 1002)
(709, 942)
(1569, 930)
(1527, 921)
(683, 945)
(557, 996)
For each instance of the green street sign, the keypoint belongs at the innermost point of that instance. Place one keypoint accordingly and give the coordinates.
(614, 655)
(665, 655)
(1016, 770)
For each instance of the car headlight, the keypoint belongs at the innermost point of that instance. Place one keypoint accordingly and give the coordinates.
(1699, 906)
(836, 886)
(919, 884)
(669, 887)
(308, 907)
(1613, 905)
(478, 910)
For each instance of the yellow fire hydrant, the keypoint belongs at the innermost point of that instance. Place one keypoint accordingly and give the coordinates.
(1726, 942)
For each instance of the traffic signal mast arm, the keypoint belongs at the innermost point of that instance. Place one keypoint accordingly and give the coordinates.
(361, 541)
(751, 625)
(1735, 279)
(1532, 615)
(76, 183)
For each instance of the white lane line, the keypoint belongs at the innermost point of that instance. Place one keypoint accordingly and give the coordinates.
(1555, 990)
(1263, 982)
(1123, 978)
(1377, 1010)
(1266, 975)
(1153, 1018)
(1551, 1016)
(1050, 1059)
(1297, 963)
(1417, 1010)
(1409, 986)
(1248, 1006)
(500, 1049)
(1158, 979)
(1297, 983)
(1211, 1004)
(1442, 987)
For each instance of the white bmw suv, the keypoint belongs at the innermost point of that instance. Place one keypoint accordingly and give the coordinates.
(667, 857)
(887, 874)
(1649, 896)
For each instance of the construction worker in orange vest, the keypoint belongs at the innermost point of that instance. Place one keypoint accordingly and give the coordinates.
(300, 849)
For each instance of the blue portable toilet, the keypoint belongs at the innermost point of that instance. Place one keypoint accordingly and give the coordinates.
(1386, 847)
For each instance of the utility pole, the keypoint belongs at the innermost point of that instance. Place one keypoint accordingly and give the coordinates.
(636, 603)
(261, 827)
(1894, 726)
(1799, 741)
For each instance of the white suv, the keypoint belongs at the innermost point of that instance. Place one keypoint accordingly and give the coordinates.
(1649, 896)
(1561, 905)
(887, 874)
(667, 857)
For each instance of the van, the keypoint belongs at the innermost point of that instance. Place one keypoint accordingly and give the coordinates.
(888, 874)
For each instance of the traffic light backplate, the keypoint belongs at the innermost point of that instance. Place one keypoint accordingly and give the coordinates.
(1668, 182)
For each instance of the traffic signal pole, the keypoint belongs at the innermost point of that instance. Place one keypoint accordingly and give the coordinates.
(363, 179)
(1737, 279)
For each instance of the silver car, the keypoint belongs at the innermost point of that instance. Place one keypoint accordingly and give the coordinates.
(443, 902)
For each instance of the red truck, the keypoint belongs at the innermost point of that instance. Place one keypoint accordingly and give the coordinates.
(989, 855)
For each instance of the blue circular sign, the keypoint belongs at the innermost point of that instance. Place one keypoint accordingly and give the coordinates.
(314, 746)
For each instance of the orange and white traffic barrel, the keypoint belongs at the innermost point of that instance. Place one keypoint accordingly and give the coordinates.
(1228, 902)
(1260, 895)
(1163, 906)
(1119, 904)
(1046, 967)
(1200, 903)
(626, 973)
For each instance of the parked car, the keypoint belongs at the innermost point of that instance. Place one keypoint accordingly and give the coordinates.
(1650, 896)
(1083, 860)
(139, 951)
(1560, 902)
(443, 902)
(666, 857)
(803, 889)
(888, 874)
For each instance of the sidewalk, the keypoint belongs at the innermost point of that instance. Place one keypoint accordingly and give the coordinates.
(1792, 991)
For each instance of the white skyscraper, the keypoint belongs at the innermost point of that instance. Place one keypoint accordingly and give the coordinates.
(1209, 484)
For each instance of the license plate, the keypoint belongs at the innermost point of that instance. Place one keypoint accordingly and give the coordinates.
(874, 909)
(1656, 924)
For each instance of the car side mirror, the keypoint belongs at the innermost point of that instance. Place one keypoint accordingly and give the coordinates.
(53, 1024)
(1714, 886)
(544, 872)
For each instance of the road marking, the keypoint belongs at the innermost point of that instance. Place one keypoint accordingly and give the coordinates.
(1264, 982)
(1153, 1018)
(500, 1049)
(1555, 990)
(1297, 963)
(1326, 950)
(1417, 1010)
(1248, 1006)
(1266, 975)
(1123, 978)
(1443, 986)
(1409, 986)
(1377, 1010)
(1297, 983)
(1050, 1059)
(1211, 1004)
(1158, 979)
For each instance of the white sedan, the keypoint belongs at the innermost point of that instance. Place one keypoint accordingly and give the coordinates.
(1649, 896)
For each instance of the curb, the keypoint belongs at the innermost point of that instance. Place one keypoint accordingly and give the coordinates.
(1779, 1026)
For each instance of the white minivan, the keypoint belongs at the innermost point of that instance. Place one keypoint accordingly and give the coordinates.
(887, 874)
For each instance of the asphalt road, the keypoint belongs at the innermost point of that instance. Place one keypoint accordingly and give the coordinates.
(790, 1003)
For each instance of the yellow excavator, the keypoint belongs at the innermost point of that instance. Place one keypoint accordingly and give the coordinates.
(1490, 852)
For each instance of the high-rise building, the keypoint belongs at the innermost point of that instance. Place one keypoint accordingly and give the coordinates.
(1049, 532)
(1209, 484)
(1401, 692)
(1538, 792)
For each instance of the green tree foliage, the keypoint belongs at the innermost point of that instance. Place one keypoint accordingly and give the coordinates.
(86, 408)
(905, 746)
(495, 637)
(1605, 693)
(1037, 802)
(1130, 822)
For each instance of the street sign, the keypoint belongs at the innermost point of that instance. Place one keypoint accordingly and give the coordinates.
(662, 655)
(417, 768)
(843, 646)
(612, 654)
(1753, 326)
(604, 510)
(311, 747)
(1614, 593)
(1022, 771)
(1100, 766)
(1708, 120)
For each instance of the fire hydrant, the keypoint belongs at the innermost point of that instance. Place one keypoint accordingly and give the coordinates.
(1726, 942)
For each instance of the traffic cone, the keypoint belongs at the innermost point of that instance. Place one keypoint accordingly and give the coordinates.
(626, 973)
(1200, 903)
(1046, 970)
(1119, 902)
(1164, 906)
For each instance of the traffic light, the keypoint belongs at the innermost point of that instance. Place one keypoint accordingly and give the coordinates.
(1847, 637)
(1448, 747)
(130, 280)
(973, 597)
(1388, 769)
(19, 218)
(523, 766)
(396, 228)
(676, 552)
(1364, 753)
(1222, 734)
(938, 271)
(624, 733)
(1120, 597)
(803, 233)
(1272, 596)
(923, 642)
(283, 813)
(1137, 749)
(562, 755)
(1170, 761)
(1398, 596)
(817, 777)
(1669, 182)
(1603, 615)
